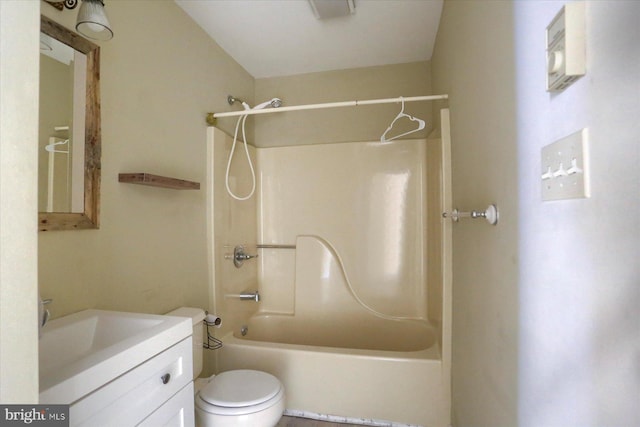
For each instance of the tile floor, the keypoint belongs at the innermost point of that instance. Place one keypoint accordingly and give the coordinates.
(287, 421)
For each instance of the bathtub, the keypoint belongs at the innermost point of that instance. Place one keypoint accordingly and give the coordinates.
(362, 333)
(368, 373)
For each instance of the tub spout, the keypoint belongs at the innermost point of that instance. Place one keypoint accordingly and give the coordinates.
(245, 296)
(255, 296)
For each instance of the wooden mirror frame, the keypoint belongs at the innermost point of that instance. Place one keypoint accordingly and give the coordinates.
(89, 219)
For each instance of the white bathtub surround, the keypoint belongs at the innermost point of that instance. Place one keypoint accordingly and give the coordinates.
(229, 223)
(368, 200)
(354, 314)
(345, 321)
(341, 357)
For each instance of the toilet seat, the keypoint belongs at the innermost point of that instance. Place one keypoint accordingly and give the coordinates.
(240, 392)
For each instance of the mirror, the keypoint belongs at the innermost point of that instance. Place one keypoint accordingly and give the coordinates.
(70, 139)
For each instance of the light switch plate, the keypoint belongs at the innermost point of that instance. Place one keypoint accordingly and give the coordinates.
(565, 168)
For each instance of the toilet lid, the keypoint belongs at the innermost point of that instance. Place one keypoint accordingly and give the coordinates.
(240, 388)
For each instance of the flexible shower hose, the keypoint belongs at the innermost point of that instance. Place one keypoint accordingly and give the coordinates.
(242, 120)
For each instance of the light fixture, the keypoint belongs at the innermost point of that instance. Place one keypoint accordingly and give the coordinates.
(69, 4)
(92, 21)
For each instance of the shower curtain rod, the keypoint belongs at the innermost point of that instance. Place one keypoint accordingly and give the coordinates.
(211, 117)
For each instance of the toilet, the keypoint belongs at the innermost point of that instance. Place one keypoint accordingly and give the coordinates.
(238, 398)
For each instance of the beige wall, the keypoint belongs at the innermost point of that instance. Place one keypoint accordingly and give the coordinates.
(349, 124)
(160, 75)
(580, 276)
(473, 63)
(546, 303)
(18, 201)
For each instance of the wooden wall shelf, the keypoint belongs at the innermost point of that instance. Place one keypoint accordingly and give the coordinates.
(158, 181)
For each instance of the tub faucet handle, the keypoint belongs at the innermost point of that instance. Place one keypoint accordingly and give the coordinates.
(239, 256)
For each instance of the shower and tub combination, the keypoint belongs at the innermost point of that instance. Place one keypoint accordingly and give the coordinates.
(352, 269)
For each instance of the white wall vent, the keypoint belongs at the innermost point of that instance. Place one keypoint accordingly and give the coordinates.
(325, 9)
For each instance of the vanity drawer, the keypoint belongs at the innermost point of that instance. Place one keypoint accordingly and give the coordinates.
(177, 412)
(130, 398)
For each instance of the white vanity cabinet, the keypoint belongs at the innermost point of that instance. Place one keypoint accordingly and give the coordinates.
(158, 392)
(176, 412)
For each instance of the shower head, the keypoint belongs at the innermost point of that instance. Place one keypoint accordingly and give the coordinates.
(273, 103)
(231, 100)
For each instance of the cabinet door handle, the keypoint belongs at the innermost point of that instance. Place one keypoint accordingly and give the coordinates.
(165, 378)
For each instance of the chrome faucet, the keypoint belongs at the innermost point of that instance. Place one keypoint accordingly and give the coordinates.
(43, 313)
(239, 256)
(255, 296)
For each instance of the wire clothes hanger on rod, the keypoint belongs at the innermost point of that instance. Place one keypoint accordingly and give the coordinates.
(402, 114)
(51, 146)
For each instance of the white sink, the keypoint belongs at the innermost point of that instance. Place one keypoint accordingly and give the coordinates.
(83, 351)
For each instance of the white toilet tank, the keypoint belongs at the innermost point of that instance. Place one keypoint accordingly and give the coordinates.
(197, 316)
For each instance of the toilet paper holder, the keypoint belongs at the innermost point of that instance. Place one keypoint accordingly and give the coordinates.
(211, 320)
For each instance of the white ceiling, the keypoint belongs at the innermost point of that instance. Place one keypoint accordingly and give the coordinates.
(272, 38)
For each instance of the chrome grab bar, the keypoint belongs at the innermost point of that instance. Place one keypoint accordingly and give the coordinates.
(274, 246)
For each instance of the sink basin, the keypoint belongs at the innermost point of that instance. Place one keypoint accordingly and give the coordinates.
(83, 351)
